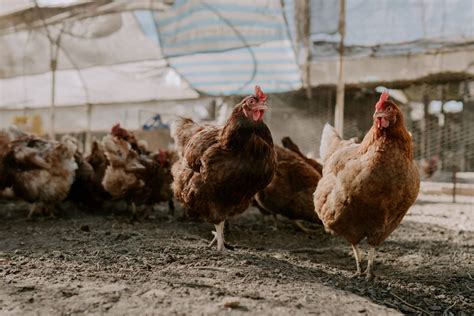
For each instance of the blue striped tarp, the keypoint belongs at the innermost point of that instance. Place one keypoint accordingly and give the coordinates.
(225, 48)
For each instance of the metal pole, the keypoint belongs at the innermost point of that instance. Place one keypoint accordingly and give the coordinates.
(339, 112)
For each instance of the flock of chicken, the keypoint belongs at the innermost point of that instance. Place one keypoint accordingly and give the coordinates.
(360, 191)
(46, 173)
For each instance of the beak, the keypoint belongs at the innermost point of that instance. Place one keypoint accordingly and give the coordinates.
(380, 114)
(41, 162)
(262, 107)
(135, 167)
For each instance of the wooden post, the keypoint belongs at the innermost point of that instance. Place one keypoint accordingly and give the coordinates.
(88, 144)
(339, 112)
(454, 183)
(307, 47)
(54, 45)
(52, 108)
(302, 17)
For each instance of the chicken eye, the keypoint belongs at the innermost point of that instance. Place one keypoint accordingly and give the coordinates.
(252, 102)
(389, 108)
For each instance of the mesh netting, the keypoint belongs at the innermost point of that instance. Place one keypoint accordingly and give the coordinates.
(440, 117)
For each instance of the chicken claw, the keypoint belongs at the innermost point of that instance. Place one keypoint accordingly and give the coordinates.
(305, 229)
(219, 238)
(214, 239)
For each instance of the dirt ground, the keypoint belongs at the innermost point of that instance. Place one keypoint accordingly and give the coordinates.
(102, 264)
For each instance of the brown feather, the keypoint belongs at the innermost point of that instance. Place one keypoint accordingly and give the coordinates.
(367, 188)
(289, 144)
(221, 169)
(290, 193)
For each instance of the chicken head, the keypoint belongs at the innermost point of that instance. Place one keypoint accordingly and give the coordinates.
(120, 154)
(386, 112)
(254, 106)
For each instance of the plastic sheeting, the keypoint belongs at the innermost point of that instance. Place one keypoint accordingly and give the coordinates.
(192, 47)
(225, 48)
(131, 82)
(145, 50)
(389, 28)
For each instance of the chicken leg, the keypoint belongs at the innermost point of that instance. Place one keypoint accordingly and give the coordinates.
(218, 236)
(358, 257)
(303, 228)
(171, 207)
(33, 210)
(133, 207)
(49, 210)
(369, 273)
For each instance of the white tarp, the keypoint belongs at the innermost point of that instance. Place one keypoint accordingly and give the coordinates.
(141, 51)
(389, 28)
(133, 54)
(131, 82)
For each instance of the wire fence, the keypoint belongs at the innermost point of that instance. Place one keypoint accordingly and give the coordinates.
(439, 115)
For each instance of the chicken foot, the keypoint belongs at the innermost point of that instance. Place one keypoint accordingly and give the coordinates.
(303, 228)
(133, 208)
(33, 210)
(50, 209)
(275, 222)
(218, 236)
(41, 208)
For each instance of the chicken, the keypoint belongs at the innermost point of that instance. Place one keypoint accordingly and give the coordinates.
(136, 175)
(6, 137)
(430, 166)
(163, 178)
(122, 133)
(41, 171)
(121, 179)
(166, 159)
(367, 188)
(98, 161)
(290, 193)
(221, 169)
(81, 190)
(289, 144)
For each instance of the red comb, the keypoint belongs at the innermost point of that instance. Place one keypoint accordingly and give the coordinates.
(118, 131)
(162, 157)
(383, 97)
(262, 97)
(115, 128)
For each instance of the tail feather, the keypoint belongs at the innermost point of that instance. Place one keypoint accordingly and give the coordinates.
(288, 143)
(330, 141)
(182, 130)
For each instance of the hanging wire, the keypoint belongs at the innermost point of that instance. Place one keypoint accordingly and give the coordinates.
(242, 39)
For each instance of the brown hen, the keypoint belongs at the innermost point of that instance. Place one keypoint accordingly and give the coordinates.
(221, 169)
(367, 188)
(290, 193)
(288, 143)
(6, 137)
(98, 161)
(41, 171)
(136, 174)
